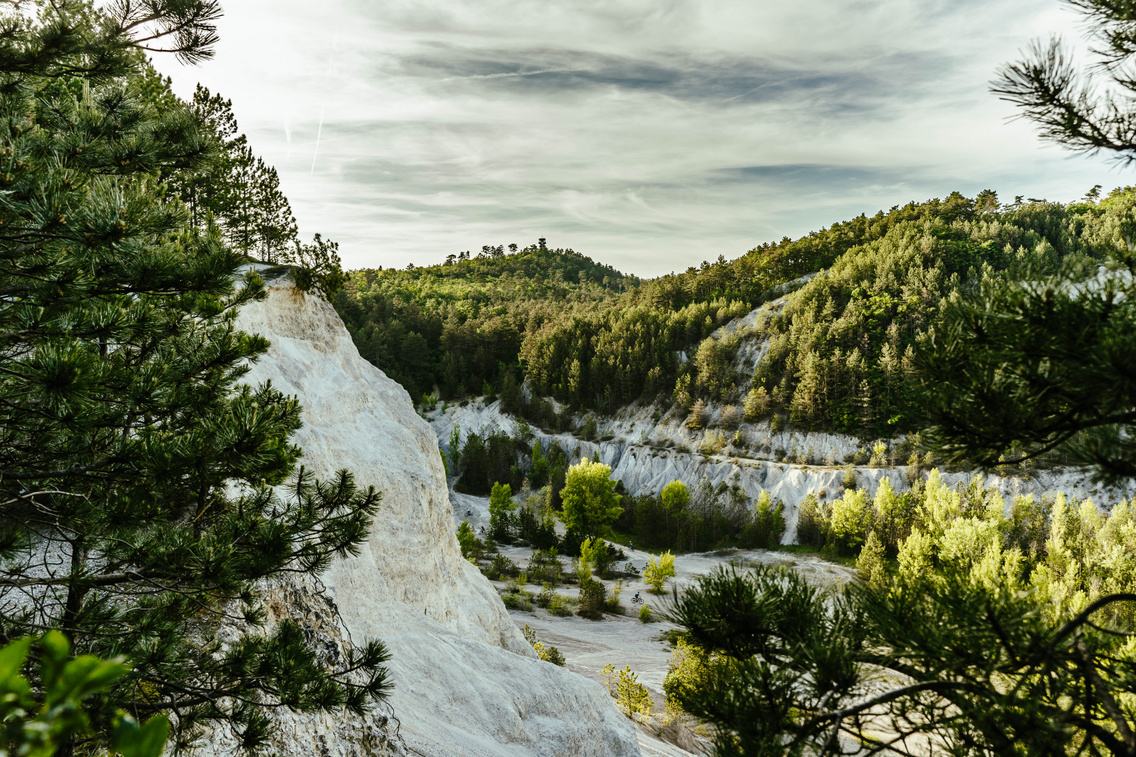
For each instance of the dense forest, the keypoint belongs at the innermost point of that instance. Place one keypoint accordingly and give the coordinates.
(839, 354)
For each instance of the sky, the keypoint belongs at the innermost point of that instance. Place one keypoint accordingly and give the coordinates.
(647, 134)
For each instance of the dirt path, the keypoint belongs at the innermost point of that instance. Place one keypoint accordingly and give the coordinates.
(622, 640)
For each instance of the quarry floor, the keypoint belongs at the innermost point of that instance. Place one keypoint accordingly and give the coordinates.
(623, 640)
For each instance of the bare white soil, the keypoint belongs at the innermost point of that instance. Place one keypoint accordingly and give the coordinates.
(622, 640)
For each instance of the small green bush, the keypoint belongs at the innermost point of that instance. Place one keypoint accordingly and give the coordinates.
(560, 606)
(517, 600)
(499, 568)
(593, 599)
(645, 614)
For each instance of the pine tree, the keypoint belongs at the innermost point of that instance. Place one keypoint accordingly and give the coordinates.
(137, 474)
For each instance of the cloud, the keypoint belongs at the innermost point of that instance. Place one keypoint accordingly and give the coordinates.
(649, 134)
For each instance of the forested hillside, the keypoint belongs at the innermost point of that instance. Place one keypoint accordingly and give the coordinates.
(460, 325)
(839, 356)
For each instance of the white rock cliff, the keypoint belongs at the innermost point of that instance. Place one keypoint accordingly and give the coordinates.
(466, 683)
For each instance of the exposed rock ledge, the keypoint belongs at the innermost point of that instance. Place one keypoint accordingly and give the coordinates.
(466, 683)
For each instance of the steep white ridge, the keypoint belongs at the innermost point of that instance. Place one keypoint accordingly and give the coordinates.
(644, 467)
(466, 683)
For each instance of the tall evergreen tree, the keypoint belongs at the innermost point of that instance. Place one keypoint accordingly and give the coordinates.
(136, 472)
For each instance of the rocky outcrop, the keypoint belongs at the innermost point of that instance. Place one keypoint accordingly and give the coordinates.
(646, 455)
(466, 683)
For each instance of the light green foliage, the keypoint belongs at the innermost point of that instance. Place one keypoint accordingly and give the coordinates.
(593, 599)
(631, 697)
(471, 547)
(848, 479)
(852, 519)
(675, 496)
(768, 521)
(548, 654)
(687, 669)
(870, 564)
(698, 416)
(645, 614)
(501, 512)
(612, 604)
(40, 721)
(879, 455)
(756, 404)
(713, 442)
(894, 515)
(658, 570)
(589, 499)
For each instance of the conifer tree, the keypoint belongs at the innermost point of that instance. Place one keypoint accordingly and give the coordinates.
(136, 473)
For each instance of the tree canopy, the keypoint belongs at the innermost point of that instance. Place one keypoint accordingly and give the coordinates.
(136, 471)
(589, 499)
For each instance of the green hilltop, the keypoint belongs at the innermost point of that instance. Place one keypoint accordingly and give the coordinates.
(596, 340)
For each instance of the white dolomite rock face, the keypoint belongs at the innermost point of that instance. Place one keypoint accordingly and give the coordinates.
(466, 682)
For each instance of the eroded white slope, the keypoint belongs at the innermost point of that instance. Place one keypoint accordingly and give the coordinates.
(466, 683)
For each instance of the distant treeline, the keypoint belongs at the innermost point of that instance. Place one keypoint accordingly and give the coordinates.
(594, 339)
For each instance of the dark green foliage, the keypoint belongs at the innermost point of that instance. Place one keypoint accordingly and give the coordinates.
(1046, 365)
(593, 599)
(485, 462)
(545, 567)
(469, 316)
(1076, 109)
(988, 675)
(713, 518)
(812, 522)
(39, 727)
(840, 352)
(136, 472)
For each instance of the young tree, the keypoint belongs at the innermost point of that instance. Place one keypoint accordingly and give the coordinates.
(502, 510)
(658, 570)
(136, 473)
(589, 499)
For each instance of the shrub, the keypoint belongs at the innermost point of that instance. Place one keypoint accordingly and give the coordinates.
(879, 455)
(611, 604)
(517, 601)
(501, 509)
(698, 416)
(472, 549)
(756, 403)
(631, 697)
(851, 520)
(500, 567)
(598, 555)
(870, 564)
(849, 477)
(731, 417)
(544, 599)
(593, 599)
(812, 522)
(712, 443)
(768, 521)
(658, 570)
(544, 566)
(548, 654)
(645, 614)
(560, 606)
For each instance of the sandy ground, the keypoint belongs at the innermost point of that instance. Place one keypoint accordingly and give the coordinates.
(589, 645)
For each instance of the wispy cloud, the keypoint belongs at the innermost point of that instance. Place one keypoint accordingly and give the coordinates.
(650, 134)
